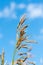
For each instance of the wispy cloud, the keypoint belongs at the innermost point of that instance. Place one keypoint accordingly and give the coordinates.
(1, 35)
(35, 10)
(21, 6)
(41, 31)
(8, 12)
(12, 6)
(41, 60)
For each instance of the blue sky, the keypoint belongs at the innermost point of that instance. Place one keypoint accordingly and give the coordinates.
(10, 14)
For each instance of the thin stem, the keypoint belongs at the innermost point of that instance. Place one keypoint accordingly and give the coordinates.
(14, 55)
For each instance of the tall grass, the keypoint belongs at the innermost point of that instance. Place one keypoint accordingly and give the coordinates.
(22, 43)
(21, 38)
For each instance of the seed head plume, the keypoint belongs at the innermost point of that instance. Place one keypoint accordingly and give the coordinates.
(22, 47)
(22, 20)
(21, 38)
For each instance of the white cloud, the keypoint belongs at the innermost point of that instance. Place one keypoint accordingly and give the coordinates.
(8, 12)
(35, 10)
(41, 31)
(21, 6)
(41, 60)
(1, 35)
(12, 6)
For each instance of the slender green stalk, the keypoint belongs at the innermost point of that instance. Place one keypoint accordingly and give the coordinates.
(13, 55)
